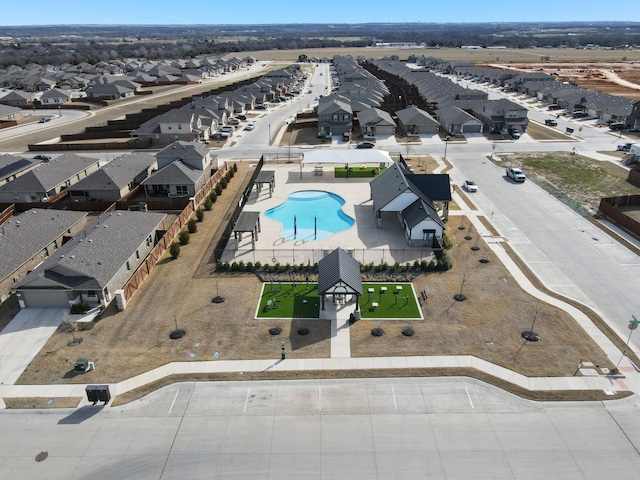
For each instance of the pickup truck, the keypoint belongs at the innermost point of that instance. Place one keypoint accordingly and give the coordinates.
(624, 148)
(551, 122)
(516, 174)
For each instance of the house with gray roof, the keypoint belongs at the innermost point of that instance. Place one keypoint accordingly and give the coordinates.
(48, 179)
(178, 124)
(395, 193)
(12, 166)
(110, 91)
(338, 276)
(17, 98)
(94, 264)
(335, 116)
(374, 121)
(184, 168)
(415, 121)
(26, 240)
(8, 114)
(55, 96)
(458, 122)
(116, 179)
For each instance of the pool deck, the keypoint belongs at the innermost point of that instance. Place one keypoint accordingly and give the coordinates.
(367, 242)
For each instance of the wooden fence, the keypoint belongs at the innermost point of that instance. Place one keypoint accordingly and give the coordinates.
(144, 270)
(611, 208)
(7, 213)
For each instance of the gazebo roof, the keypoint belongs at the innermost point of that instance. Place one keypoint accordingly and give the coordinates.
(339, 269)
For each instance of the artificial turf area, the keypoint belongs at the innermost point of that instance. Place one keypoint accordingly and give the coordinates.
(390, 305)
(288, 301)
(358, 172)
(282, 300)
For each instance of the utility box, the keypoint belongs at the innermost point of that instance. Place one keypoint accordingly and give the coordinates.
(92, 393)
(104, 395)
(81, 366)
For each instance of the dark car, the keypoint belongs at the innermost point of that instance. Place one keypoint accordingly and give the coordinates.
(554, 107)
(365, 145)
(579, 114)
(44, 158)
(551, 122)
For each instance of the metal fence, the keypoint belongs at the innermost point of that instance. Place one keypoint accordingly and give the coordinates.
(297, 256)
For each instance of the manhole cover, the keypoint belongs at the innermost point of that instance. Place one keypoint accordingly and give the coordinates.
(42, 456)
(176, 334)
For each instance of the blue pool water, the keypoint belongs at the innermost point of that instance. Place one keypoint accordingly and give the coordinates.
(311, 215)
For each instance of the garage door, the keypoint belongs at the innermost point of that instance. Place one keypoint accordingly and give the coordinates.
(45, 299)
(472, 128)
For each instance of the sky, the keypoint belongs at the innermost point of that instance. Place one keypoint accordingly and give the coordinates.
(159, 12)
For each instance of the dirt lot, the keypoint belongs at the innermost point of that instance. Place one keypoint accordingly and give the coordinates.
(178, 295)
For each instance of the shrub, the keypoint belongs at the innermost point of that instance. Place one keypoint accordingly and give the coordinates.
(230, 174)
(218, 189)
(174, 250)
(249, 267)
(446, 241)
(234, 266)
(275, 331)
(213, 196)
(192, 226)
(258, 266)
(406, 267)
(303, 331)
(223, 182)
(377, 332)
(408, 332)
(208, 203)
(199, 214)
(444, 263)
(184, 237)
(241, 266)
(235, 167)
(225, 266)
(424, 265)
(80, 308)
(416, 265)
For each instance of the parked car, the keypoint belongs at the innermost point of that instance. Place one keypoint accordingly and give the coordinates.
(514, 132)
(44, 158)
(365, 145)
(624, 148)
(44, 120)
(616, 126)
(233, 121)
(262, 106)
(241, 116)
(228, 129)
(579, 114)
(551, 122)
(250, 126)
(516, 174)
(554, 107)
(470, 186)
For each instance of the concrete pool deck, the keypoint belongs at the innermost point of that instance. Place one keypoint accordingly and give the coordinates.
(366, 242)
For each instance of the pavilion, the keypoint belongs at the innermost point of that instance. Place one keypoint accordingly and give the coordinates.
(339, 274)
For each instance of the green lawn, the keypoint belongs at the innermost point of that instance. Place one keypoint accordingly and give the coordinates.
(286, 302)
(404, 305)
(358, 172)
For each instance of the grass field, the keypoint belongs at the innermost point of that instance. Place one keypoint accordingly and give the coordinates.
(392, 303)
(358, 172)
(283, 300)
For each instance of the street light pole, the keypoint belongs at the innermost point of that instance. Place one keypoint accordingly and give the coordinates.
(282, 357)
(269, 134)
(446, 142)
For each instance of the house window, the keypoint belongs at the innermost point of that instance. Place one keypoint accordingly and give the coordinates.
(55, 245)
(149, 240)
(128, 266)
(137, 254)
(180, 127)
(45, 253)
(182, 190)
(335, 117)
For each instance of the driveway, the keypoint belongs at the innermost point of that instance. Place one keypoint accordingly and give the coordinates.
(24, 337)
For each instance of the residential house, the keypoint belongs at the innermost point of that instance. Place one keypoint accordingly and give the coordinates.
(456, 121)
(415, 121)
(55, 96)
(374, 122)
(502, 114)
(116, 179)
(109, 91)
(185, 124)
(11, 167)
(9, 114)
(95, 264)
(183, 169)
(48, 179)
(17, 98)
(335, 116)
(29, 238)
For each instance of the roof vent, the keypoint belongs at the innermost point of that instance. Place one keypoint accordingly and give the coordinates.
(17, 223)
(72, 256)
(90, 240)
(105, 226)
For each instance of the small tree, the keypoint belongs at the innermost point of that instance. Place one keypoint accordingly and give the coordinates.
(223, 182)
(184, 237)
(174, 250)
(213, 196)
(208, 203)
(192, 226)
(235, 165)
(218, 189)
(199, 214)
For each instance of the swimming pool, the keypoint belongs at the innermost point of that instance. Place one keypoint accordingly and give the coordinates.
(311, 215)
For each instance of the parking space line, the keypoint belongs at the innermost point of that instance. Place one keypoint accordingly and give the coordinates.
(174, 401)
(246, 401)
(468, 395)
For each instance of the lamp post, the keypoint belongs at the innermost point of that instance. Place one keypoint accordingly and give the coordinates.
(282, 355)
(446, 143)
(269, 134)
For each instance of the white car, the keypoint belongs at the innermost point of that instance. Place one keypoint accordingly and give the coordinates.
(250, 126)
(470, 186)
